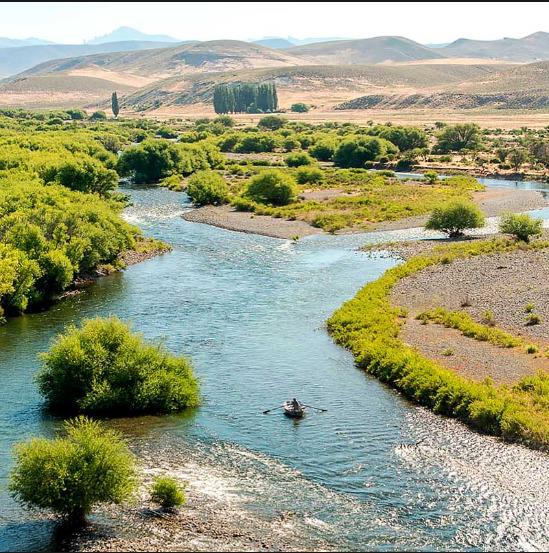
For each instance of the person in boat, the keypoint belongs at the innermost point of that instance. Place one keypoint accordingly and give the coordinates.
(296, 406)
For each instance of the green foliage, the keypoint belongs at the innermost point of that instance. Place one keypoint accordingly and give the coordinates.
(533, 319)
(298, 159)
(49, 235)
(369, 325)
(323, 150)
(84, 174)
(516, 157)
(98, 116)
(271, 122)
(70, 475)
(520, 225)
(153, 160)
(103, 368)
(272, 187)
(454, 138)
(405, 138)
(455, 217)
(309, 175)
(115, 107)
(167, 492)
(208, 188)
(431, 177)
(245, 98)
(299, 107)
(470, 328)
(355, 152)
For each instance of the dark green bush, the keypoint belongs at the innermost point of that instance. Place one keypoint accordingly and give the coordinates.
(272, 187)
(298, 159)
(207, 188)
(105, 369)
(309, 175)
(299, 107)
(98, 116)
(272, 122)
(70, 475)
(355, 152)
(167, 492)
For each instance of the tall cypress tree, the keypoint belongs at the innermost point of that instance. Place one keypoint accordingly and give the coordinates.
(114, 104)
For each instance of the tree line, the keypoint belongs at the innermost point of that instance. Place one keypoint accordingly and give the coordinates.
(245, 98)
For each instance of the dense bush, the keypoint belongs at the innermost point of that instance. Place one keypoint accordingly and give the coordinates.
(150, 161)
(454, 138)
(103, 368)
(167, 492)
(298, 159)
(309, 175)
(70, 475)
(272, 187)
(49, 235)
(520, 225)
(455, 217)
(405, 138)
(299, 107)
(272, 122)
(355, 152)
(98, 116)
(208, 188)
(323, 150)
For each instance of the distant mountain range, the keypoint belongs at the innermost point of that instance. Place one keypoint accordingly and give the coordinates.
(125, 34)
(156, 73)
(17, 42)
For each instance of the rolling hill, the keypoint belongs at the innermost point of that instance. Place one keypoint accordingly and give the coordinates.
(17, 60)
(365, 51)
(212, 56)
(530, 48)
(17, 42)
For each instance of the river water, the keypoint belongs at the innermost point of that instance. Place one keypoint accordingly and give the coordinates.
(250, 311)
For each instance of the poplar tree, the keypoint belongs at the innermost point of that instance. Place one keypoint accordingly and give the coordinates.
(114, 104)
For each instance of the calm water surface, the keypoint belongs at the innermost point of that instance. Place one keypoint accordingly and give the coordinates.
(250, 311)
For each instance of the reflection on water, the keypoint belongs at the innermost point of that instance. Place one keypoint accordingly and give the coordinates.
(250, 311)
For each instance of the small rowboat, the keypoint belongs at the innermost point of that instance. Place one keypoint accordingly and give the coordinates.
(294, 409)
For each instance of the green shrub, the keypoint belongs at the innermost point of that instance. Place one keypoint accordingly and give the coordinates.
(225, 120)
(70, 475)
(299, 107)
(272, 187)
(167, 492)
(105, 369)
(98, 116)
(455, 217)
(298, 159)
(520, 225)
(431, 177)
(533, 319)
(355, 152)
(309, 175)
(272, 122)
(323, 150)
(208, 188)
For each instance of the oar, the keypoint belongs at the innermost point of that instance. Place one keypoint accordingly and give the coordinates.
(313, 407)
(268, 410)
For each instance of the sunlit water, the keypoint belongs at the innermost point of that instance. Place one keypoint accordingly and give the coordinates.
(250, 311)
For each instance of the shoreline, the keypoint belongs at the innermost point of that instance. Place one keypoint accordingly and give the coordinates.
(493, 201)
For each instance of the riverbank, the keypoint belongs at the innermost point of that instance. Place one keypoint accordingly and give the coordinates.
(493, 202)
(214, 518)
(371, 325)
(145, 248)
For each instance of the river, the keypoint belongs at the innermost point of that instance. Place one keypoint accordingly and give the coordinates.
(250, 311)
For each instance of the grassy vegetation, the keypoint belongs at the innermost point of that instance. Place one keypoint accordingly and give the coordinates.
(167, 492)
(469, 327)
(369, 326)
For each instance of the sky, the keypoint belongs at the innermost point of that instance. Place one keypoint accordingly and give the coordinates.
(425, 22)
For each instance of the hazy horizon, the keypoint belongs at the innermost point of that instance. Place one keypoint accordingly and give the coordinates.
(424, 22)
